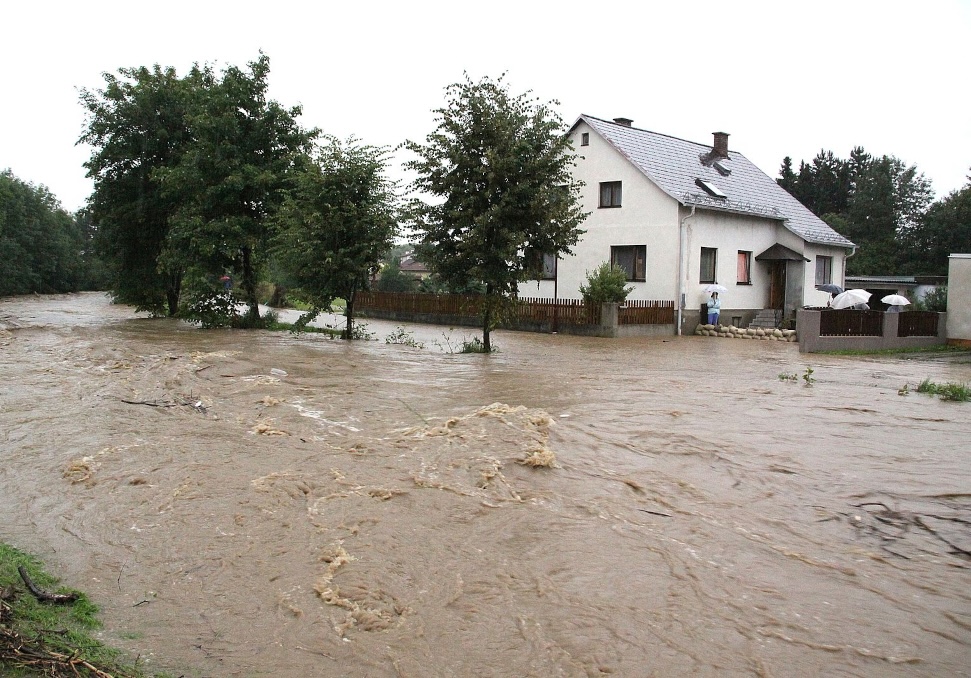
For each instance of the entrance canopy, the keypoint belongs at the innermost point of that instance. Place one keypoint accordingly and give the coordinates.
(780, 253)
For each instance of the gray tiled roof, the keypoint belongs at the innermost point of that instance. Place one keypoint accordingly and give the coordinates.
(675, 165)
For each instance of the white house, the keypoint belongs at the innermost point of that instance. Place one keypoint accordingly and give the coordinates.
(679, 215)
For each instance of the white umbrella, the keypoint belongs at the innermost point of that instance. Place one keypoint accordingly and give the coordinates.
(850, 298)
(715, 287)
(895, 300)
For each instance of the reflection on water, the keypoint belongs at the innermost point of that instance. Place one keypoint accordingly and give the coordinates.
(246, 503)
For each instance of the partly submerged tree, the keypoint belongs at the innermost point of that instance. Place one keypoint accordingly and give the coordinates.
(137, 125)
(497, 168)
(230, 178)
(336, 224)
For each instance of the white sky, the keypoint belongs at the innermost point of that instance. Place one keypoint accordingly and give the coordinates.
(783, 78)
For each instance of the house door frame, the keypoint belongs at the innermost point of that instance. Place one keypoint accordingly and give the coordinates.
(777, 284)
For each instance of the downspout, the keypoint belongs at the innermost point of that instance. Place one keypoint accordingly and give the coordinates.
(681, 266)
(848, 256)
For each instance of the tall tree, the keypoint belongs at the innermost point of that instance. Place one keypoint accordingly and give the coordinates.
(40, 243)
(944, 230)
(336, 224)
(888, 202)
(230, 179)
(137, 125)
(498, 169)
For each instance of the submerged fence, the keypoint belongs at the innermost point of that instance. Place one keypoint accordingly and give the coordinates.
(524, 313)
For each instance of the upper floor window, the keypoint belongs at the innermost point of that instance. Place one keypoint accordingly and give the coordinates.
(610, 193)
(549, 267)
(744, 274)
(632, 259)
(585, 139)
(824, 270)
(709, 255)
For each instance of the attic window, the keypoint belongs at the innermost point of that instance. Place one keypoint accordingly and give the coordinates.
(710, 188)
(722, 170)
(585, 139)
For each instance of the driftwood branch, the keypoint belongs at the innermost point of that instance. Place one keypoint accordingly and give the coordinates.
(44, 596)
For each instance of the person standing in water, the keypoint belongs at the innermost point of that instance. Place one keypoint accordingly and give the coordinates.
(714, 308)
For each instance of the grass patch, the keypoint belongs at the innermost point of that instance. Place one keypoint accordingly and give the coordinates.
(950, 391)
(49, 639)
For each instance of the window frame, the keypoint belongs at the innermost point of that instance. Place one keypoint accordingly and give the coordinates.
(747, 255)
(614, 192)
(633, 251)
(702, 279)
(585, 138)
(827, 269)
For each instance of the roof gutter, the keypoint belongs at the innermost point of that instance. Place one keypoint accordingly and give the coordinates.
(681, 266)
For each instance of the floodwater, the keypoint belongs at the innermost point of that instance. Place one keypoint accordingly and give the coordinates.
(257, 504)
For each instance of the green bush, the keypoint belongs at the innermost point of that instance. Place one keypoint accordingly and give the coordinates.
(606, 284)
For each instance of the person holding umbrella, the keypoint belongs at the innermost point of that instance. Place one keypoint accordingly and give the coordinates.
(714, 308)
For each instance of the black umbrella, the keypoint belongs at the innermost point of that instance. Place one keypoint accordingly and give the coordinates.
(831, 288)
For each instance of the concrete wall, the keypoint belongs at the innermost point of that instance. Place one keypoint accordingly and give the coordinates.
(807, 329)
(959, 299)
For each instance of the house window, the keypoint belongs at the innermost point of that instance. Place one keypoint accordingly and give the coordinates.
(744, 273)
(585, 139)
(610, 194)
(708, 257)
(549, 267)
(824, 270)
(631, 258)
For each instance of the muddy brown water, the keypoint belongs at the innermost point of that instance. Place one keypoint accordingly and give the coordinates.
(253, 503)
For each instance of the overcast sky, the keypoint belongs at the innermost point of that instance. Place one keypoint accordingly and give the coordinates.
(782, 78)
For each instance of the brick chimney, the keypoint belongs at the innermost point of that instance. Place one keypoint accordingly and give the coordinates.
(720, 146)
(626, 122)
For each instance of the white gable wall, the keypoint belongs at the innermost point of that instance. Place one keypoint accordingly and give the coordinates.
(647, 216)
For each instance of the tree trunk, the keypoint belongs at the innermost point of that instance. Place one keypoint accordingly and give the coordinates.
(249, 285)
(349, 314)
(487, 321)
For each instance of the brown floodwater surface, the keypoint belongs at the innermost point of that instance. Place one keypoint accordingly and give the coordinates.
(255, 503)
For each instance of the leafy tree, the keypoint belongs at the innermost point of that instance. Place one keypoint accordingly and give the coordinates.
(336, 224)
(230, 178)
(944, 230)
(138, 125)
(606, 284)
(41, 243)
(393, 280)
(498, 168)
(887, 204)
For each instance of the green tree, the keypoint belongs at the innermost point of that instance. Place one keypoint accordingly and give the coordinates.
(230, 178)
(138, 125)
(944, 230)
(887, 205)
(498, 169)
(393, 280)
(336, 224)
(40, 242)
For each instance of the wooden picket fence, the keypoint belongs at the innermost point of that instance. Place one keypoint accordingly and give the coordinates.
(526, 310)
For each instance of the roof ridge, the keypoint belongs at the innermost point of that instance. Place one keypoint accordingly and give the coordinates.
(660, 134)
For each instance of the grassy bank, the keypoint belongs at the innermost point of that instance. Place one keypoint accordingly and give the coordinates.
(40, 637)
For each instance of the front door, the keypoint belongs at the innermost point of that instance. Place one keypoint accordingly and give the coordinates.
(777, 284)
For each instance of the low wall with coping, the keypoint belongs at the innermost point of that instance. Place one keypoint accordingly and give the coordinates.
(807, 329)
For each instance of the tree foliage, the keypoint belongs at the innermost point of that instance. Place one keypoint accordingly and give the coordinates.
(944, 230)
(187, 173)
(138, 125)
(606, 284)
(497, 169)
(877, 202)
(43, 248)
(336, 224)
